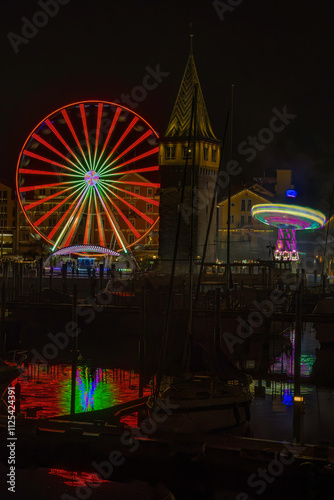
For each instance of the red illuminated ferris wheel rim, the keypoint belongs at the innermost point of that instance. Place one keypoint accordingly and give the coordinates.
(94, 169)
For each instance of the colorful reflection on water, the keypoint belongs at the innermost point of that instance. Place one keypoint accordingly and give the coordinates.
(47, 388)
(285, 363)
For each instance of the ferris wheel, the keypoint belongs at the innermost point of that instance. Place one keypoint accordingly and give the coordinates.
(88, 174)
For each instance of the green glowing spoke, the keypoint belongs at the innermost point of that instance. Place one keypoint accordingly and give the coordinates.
(81, 195)
(132, 207)
(84, 122)
(70, 126)
(88, 226)
(121, 139)
(110, 132)
(75, 224)
(126, 220)
(112, 221)
(99, 222)
(132, 160)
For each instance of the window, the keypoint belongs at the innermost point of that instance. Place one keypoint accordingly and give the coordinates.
(149, 192)
(13, 212)
(250, 364)
(242, 220)
(185, 150)
(149, 207)
(232, 219)
(4, 195)
(206, 153)
(3, 211)
(214, 155)
(243, 205)
(131, 238)
(132, 221)
(249, 205)
(249, 219)
(136, 190)
(170, 153)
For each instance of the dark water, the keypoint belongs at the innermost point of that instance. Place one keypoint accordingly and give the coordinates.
(47, 389)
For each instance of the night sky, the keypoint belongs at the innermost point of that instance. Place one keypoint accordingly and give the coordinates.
(277, 53)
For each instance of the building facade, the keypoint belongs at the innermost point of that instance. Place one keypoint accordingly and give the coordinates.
(249, 239)
(9, 233)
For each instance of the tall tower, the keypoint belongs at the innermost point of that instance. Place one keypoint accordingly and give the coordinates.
(201, 160)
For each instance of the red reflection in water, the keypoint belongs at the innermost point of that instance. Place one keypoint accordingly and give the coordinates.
(78, 479)
(46, 388)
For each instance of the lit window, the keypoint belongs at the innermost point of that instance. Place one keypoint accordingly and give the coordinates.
(149, 192)
(186, 152)
(170, 153)
(149, 207)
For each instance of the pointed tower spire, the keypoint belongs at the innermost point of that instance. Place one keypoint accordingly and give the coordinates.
(179, 122)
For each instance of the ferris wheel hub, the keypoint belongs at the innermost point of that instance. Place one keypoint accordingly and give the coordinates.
(92, 178)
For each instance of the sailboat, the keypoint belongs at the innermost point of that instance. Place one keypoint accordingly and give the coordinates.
(219, 397)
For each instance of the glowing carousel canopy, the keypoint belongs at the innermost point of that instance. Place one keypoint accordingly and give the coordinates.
(91, 249)
(288, 216)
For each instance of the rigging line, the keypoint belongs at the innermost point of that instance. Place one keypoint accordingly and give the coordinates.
(172, 274)
(213, 203)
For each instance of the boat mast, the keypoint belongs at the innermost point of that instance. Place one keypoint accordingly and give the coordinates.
(191, 239)
(228, 242)
(164, 341)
